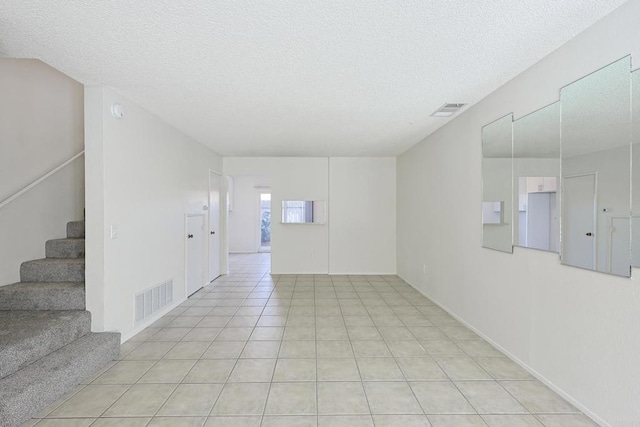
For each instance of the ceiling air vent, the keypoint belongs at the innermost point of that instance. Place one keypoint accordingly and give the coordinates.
(448, 110)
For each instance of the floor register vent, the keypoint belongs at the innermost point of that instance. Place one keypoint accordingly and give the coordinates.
(153, 299)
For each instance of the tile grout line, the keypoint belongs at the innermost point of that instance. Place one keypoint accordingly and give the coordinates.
(241, 351)
(264, 410)
(382, 294)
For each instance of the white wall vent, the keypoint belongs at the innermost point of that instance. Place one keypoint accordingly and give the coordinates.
(153, 299)
(448, 110)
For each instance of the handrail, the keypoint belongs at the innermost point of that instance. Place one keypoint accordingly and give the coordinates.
(39, 180)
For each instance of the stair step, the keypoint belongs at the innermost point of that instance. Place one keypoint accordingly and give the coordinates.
(26, 336)
(75, 230)
(43, 296)
(30, 390)
(64, 248)
(53, 270)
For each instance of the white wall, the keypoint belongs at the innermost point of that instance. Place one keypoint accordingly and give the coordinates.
(244, 233)
(41, 126)
(577, 329)
(362, 215)
(359, 236)
(143, 176)
(295, 249)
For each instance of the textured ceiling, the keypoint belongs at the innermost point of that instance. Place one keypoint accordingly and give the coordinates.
(340, 78)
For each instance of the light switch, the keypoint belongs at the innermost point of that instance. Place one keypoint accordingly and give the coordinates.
(114, 231)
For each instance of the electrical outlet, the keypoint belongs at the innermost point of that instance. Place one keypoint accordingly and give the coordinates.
(114, 231)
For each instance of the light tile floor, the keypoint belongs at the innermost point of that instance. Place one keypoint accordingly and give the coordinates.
(253, 349)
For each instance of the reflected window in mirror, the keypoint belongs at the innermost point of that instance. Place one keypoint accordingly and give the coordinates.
(596, 172)
(536, 171)
(303, 211)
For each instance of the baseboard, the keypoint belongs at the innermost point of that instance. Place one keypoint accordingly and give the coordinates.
(368, 273)
(148, 322)
(333, 273)
(523, 365)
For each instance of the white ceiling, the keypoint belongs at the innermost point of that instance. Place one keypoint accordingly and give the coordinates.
(296, 78)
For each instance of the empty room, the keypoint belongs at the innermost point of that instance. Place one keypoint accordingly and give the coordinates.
(319, 214)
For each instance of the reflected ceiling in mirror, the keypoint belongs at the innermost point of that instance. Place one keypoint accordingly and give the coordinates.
(536, 171)
(497, 189)
(596, 173)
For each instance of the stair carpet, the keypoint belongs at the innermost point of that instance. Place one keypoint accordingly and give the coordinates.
(46, 343)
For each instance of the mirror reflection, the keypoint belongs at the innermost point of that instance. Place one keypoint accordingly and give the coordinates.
(303, 212)
(596, 170)
(497, 189)
(635, 149)
(536, 171)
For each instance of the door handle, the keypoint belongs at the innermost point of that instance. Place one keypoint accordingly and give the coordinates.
(213, 232)
(189, 236)
(589, 234)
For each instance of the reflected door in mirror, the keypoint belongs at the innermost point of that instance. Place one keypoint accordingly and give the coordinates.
(578, 237)
(596, 170)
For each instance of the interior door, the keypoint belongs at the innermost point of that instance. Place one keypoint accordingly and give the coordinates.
(619, 259)
(554, 223)
(214, 225)
(538, 217)
(578, 221)
(195, 253)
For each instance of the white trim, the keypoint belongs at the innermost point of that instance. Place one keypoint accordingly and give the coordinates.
(260, 190)
(39, 180)
(220, 200)
(519, 362)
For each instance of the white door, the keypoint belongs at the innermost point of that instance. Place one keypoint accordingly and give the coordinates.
(214, 225)
(578, 221)
(538, 221)
(195, 253)
(554, 224)
(619, 244)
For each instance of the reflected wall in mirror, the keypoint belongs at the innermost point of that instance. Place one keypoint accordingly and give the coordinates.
(596, 146)
(303, 211)
(635, 162)
(536, 171)
(497, 188)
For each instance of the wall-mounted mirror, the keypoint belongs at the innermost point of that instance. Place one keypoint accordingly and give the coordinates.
(635, 157)
(497, 189)
(596, 171)
(536, 172)
(304, 211)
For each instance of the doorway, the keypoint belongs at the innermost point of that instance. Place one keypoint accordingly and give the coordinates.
(195, 249)
(542, 221)
(265, 222)
(579, 221)
(215, 181)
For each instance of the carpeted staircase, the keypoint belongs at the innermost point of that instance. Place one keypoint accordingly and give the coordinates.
(46, 343)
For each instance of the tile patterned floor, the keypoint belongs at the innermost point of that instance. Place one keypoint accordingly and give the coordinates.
(253, 349)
